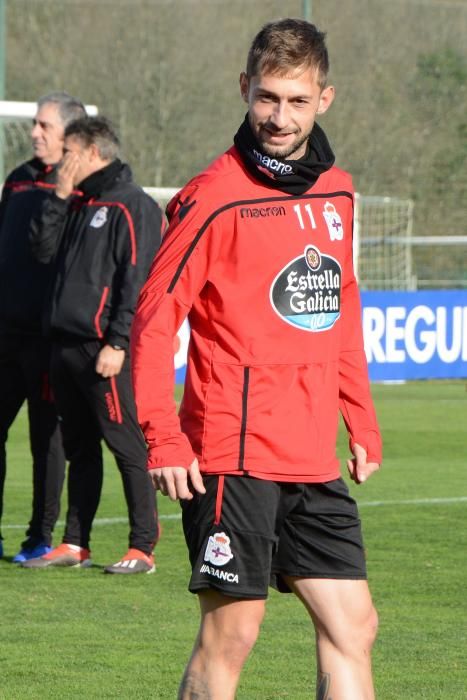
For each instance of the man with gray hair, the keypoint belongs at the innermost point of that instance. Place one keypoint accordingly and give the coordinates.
(24, 355)
(102, 241)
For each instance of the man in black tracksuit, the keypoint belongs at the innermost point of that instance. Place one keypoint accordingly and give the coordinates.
(24, 354)
(101, 242)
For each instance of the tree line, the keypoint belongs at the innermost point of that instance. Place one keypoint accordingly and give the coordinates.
(166, 73)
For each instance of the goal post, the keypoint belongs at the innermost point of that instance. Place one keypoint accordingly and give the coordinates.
(383, 243)
(162, 195)
(14, 110)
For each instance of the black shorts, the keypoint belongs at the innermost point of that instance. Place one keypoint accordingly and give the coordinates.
(244, 534)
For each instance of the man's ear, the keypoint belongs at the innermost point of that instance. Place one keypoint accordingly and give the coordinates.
(244, 86)
(325, 99)
(93, 152)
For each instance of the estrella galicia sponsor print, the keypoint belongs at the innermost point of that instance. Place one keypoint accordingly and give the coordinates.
(218, 553)
(306, 292)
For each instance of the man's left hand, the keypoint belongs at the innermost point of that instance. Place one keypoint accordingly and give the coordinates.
(359, 468)
(109, 361)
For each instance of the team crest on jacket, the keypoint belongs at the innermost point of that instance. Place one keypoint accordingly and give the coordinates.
(99, 218)
(333, 222)
(306, 292)
(218, 550)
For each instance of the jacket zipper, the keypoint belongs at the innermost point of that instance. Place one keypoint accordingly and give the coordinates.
(246, 383)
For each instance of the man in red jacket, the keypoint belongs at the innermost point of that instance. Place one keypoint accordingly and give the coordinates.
(258, 256)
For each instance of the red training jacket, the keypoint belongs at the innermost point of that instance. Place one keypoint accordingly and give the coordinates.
(266, 280)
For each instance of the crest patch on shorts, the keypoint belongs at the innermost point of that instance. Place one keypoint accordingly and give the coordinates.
(218, 550)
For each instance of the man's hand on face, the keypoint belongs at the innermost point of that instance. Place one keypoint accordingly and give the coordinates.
(66, 174)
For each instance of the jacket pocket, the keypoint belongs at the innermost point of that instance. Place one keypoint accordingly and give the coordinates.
(82, 310)
(267, 415)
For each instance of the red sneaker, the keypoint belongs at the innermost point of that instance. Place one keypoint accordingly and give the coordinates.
(134, 562)
(63, 555)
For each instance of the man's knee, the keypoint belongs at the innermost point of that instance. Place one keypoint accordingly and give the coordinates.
(368, 630)
(240, 642)
(230, 631)
(82, 450)
(353, 635)
(235, 639)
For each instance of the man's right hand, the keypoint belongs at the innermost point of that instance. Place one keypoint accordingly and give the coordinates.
(66, 175)
(178, 482)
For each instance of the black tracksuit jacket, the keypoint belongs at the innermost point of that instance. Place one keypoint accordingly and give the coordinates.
(101, 244)
(23, 280)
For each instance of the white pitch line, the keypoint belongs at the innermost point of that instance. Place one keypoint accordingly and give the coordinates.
(415, 502)
(361, 504)
(97, 521)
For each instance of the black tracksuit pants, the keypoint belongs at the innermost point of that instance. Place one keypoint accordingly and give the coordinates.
(92, 408)
(24, 365)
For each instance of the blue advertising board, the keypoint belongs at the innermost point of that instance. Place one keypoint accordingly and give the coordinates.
(415, 335)
(408, 335)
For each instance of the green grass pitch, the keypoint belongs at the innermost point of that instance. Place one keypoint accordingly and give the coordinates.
(67, 634)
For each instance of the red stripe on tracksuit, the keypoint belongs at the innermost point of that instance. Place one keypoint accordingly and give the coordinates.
(97, 317)
(25, 185)
(131, 227)
(118, 410)
(219, 499)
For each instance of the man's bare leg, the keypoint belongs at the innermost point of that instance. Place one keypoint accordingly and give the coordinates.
(228, 631)
(346, 623)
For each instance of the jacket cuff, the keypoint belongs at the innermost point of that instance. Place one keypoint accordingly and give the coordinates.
(59, 203)
(170, 456)
(114, 339)
(371, 442)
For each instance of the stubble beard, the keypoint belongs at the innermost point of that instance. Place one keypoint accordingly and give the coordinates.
(285, 152)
